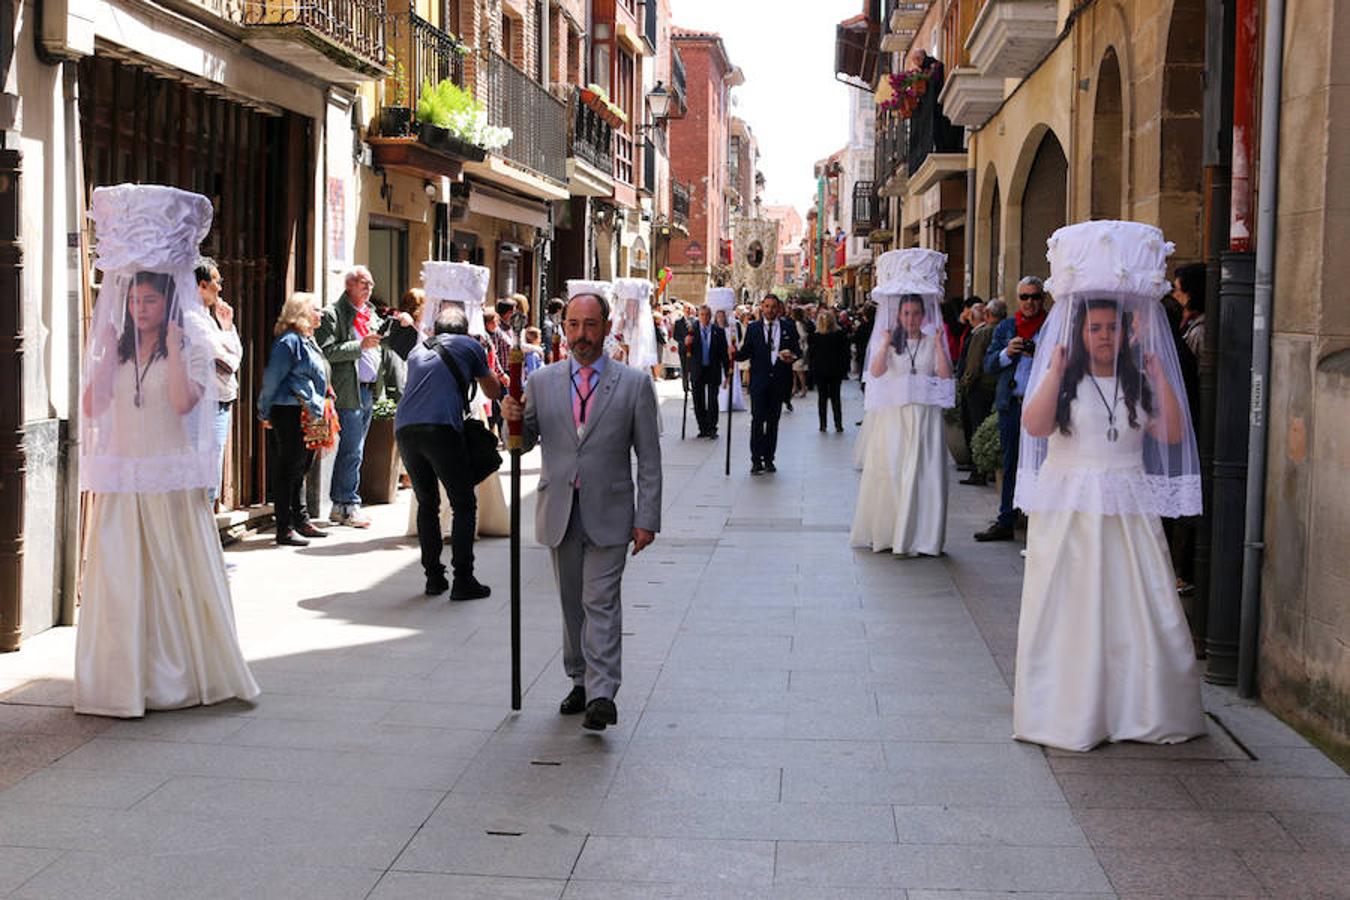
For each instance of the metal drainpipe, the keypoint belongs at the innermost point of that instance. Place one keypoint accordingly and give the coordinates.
(69, 478)
(12, 457)
(1253, 544)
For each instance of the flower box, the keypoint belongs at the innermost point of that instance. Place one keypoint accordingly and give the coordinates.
(396, 121)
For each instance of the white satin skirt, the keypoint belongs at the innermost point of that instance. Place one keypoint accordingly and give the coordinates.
(1103, 649)
(156, 627)
(902, 497)
(731, 387)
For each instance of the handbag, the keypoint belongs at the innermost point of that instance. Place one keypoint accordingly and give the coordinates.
(320, 434)
(480, 447)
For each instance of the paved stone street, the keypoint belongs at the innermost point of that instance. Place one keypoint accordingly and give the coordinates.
(798, 720)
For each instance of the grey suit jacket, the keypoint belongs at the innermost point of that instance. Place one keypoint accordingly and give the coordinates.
(621, 424)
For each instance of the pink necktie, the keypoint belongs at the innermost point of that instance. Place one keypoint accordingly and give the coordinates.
(580, 399)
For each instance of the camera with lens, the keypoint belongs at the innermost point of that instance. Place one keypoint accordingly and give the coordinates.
(1029, 348)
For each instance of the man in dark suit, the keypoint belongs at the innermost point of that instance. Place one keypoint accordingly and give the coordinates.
(707, 360)
(679, 330)
(771, 347)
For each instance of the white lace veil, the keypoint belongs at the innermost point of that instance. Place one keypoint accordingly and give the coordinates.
(149, 397)
(632, 318)
(918, 367)
(459, 283)
(1120, 443)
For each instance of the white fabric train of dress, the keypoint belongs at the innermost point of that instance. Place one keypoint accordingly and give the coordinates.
(1104, 652)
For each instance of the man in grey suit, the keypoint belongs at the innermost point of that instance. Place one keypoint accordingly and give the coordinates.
(592, 415)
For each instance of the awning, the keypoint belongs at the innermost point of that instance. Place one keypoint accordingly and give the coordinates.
(856, 42)
(486, 202)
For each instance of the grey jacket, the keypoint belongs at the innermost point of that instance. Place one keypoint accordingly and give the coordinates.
(622, 424)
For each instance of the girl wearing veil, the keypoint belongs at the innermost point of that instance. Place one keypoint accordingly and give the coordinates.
(730, 391)
(902, 497)
(463, 285)
(156, 627)
(633, 327)
(1103, 649)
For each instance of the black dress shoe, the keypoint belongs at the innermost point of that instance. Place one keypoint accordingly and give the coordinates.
(469, 589)
(770, 467)
(308, 530)
(975, 478)
(839, 428)
(437, 584)
(756, 468)
(574, 702)
(995, 532)
(291, 539)
(600, 712)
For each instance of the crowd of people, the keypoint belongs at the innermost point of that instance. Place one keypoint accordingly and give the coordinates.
(1090, 381)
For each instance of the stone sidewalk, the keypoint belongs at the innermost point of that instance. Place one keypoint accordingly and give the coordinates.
(798, 720)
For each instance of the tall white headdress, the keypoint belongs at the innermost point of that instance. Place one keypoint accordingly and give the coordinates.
(924, 375)
(631, 314)
(454, 282)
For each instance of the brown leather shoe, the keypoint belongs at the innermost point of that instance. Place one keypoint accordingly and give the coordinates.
(308, 530)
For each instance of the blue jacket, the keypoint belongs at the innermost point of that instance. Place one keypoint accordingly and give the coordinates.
(296, 374)
(1007, 368)
(766, 376)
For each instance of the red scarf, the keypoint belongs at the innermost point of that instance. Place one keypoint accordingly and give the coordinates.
(1027, 326)
(361, 322)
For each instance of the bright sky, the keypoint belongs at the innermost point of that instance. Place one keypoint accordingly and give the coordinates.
(798, 112)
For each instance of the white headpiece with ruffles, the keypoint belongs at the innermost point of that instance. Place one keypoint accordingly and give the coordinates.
(1109, 258)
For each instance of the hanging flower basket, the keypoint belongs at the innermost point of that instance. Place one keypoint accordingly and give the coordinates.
(907, 88)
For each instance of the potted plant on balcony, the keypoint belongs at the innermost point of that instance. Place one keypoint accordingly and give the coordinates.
(396, 119)
(907, 88)
(451, 120)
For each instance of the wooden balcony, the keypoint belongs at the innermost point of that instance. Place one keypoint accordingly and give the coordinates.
(341, 41)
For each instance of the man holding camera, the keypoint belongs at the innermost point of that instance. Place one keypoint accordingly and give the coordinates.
(353, 337)
(1009, 357)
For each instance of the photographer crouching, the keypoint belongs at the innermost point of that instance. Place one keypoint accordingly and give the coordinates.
(429, 429)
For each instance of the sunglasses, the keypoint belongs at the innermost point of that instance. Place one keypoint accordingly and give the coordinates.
(1036, 296)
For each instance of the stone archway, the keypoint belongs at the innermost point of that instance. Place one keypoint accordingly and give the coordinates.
(1181, 172)
(1043, 204)
(1108, 148)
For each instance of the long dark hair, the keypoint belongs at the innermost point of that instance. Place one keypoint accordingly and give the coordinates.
(163, 285)
(899, 337)
(1133, 388)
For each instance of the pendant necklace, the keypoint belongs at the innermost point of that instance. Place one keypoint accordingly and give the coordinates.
(140, 376)
(913, 365)
(1112, 433)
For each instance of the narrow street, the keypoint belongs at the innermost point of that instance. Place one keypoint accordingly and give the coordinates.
(797, 720)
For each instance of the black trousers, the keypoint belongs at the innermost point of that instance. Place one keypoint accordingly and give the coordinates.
(290, 464)
(975, 408)
(434, 455)
(827, 392)
(706, 381)
(766, 407)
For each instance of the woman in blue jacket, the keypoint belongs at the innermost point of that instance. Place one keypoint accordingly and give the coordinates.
(296, 377)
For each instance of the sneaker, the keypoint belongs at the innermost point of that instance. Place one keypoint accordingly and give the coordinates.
(339, 514)
(469, 589)
(995, 532)
(437, 584)
(358, 519)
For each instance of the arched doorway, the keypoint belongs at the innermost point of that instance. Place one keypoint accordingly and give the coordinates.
(1181, 175)
(1108, 157)
(1044, 200)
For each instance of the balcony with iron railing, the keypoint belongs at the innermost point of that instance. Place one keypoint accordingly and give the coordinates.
(537, 119)
(419, 53)
(677, 78)
(679, 204)
(337, 40)
(891, 159)
(930, 132)
(864, 208)
(590, 153)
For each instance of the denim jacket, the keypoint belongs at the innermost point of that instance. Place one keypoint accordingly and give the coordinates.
(296, 374)
(1013, 372)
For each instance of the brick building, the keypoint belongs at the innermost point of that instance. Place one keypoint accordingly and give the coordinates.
(700, 144)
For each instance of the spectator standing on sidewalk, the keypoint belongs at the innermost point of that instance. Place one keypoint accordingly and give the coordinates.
(353, 338)
(1011, 351)
(229, 355)
(976, 386)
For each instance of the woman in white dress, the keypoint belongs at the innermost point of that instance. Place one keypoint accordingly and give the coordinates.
(730, 391)
(1103, 651)
(463, 285)
(902, 496)
(156, 627)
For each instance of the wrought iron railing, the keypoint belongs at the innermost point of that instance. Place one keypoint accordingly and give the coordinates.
(677, 75)
(679, 203)
(891, 150)
(420, 53)
(355, 25)
(648, 166)
(592, 136)
(930, 131)
(537, 119)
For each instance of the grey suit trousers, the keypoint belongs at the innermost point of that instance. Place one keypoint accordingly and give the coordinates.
(589, 579)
